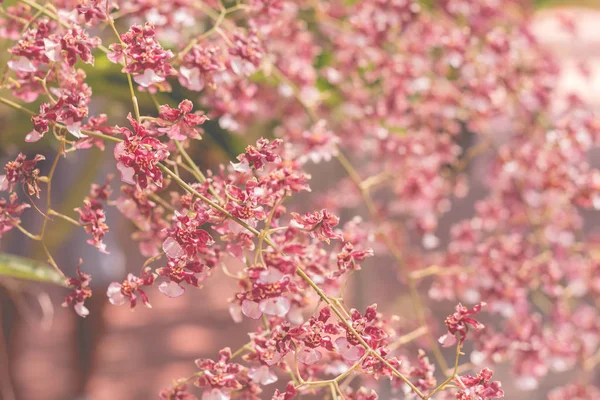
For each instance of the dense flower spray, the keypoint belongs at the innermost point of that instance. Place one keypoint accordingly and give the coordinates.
(415, 93)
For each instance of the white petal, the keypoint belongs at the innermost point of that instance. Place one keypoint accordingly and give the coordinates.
(243, 167)
(22, 65)
(236, 313)
(227, 122)
(74, 129)
(271, 275)
(33, 136)
(148, 78)
(3, 183)
(596, 201)
(114, 294)
(81, 310)
(348, 351)
(155, 18)
(526, 383)
(477, 357)
(237, 65)
(308, 356)
(171, 289)
(336, 367)
(262, 375)
(172, 248)
(215, 394)
(297, 224)
(277, 306)
(182, 17)
(251, 310)
(430, 241)
(52, 50)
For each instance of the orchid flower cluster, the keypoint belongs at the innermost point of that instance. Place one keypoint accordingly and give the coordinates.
(428, 97)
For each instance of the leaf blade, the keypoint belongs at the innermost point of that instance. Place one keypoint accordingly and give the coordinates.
(24, 268)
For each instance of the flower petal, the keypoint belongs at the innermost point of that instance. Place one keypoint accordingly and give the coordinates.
(148, 78)
(347, 350)
(447, 340)
(171, 289)
(172, 248)
(262, 375)
(215, 394)
(21, 65)
(33, 136)
(276, 306)
(81, 309)
(127, 173)
(114, 294)
(251, 310)
(309, 356)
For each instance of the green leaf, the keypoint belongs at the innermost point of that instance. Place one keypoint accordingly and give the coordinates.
(23, 268)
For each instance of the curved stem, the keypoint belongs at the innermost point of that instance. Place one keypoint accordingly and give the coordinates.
(416, 300)
(64, 217)
(197, 173)
(23, 230)
(268, 241)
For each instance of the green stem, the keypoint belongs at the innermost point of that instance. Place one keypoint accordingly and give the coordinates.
(267, 240)
(302, 274)
(205, 199)
(15, 105)
(44, 10)
(63, 217)
(197, 173)
(23, 230)
(442, 386)
(136, 107)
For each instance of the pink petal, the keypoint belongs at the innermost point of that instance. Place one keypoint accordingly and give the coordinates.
(251, 310)
(52, 50)
(215, 394)
(295, 315)
(171, 289)
(127, 173)
(191, 79)
(33, 136)
(148, 78)
(276, 358)
(308, 356)
(22, 65)
(447, 340)
(271, 275)
(262, 375)
(115, 57)
(277, 306)
(119, 150)
(348, 351)
(172, 248)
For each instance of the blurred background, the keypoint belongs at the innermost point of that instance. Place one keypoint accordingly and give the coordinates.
(47, 352)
